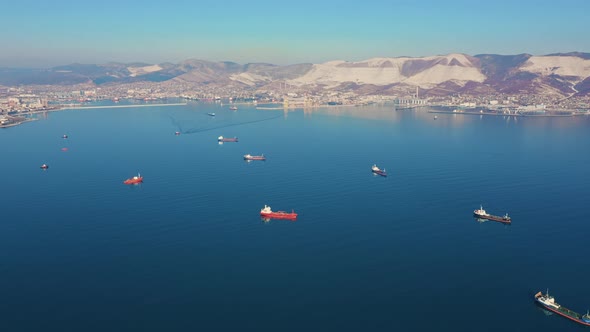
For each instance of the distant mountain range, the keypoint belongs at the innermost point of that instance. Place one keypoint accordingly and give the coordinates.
(559, 74)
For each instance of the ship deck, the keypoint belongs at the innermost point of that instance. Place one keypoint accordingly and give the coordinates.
(569, 312)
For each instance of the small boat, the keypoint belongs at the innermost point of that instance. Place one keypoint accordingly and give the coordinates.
(65, 136)
(64, 149)
(548, 302)
(233, 108)
(211, 114)
(378, 171)
(134, 180)
(251, 157)
(482, 214)
(44, 166)
(177, 133)
(435, 117)
(227, 139)
(267, 213)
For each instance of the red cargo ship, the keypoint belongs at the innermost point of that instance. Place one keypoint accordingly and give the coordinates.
(134, 180)
(266, 212)
(548, 302)
(482, 214)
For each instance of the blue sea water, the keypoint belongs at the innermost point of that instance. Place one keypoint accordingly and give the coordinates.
(187, 250)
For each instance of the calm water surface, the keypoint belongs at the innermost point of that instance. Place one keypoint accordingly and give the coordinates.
(187, 250)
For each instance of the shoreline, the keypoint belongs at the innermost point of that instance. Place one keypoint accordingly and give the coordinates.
(61, 108)
(18, 123)
(544, 115)
(65, 107)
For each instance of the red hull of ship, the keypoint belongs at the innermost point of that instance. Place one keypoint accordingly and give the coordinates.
(279, 215)
(133, 181)
(558, 312)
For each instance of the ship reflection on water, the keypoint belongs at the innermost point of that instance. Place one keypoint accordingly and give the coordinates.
(267, 220)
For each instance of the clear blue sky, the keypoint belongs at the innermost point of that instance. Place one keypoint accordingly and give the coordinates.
(47, 33)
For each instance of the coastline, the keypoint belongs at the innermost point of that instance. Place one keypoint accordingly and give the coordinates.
(547, 114)
(18, 123)
(22, 118)
(78, 107)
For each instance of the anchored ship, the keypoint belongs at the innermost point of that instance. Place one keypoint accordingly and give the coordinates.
(227, 139)
(251, 157)
(134, 180)
(378, 171)
(266, 212)
(482, 214)
(548, 302)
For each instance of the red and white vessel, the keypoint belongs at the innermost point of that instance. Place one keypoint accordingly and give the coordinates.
(266, 212)
(548, 302)
(482, 214)
(378, 171)
(134, 180)
(251, 157)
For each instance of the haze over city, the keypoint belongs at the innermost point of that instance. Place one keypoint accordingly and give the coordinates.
(44, 34)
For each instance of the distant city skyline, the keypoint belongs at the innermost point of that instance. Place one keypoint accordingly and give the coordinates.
(39, 34)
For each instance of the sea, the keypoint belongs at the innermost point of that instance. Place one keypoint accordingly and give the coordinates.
(186, 250)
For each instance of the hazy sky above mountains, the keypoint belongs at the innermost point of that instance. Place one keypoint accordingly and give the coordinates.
(48, 33)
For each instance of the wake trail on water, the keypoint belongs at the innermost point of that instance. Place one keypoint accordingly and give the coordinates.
(200, 130)
(175, 123)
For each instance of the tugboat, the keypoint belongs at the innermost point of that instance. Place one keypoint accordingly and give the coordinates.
(134, 180)
(44, 166)
(482, 214)
(227, 139)
(548, 302)
(267, 213)
(251, 157)
(378, 171)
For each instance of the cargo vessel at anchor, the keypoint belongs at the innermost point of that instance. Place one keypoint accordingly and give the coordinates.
(482, 214)
(134, 180)
(227, 139)
(378, 171)
(266, 212)
(251, 157)
(548, 302)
